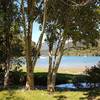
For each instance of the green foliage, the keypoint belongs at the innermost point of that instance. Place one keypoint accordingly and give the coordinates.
(10, 30)
(78, 23)
(52, 34)
(93, 73)
(87, 21)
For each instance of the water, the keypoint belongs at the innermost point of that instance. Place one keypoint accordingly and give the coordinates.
(73, 86)
(71, 61)
(67, 85)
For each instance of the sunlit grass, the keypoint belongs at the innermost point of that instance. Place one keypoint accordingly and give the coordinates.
(40, 95)
(60, 70)
(43, 95)
(36, 69)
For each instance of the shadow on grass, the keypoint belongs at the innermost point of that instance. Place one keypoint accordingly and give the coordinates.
(11, 95)
(60, 97)
(91, 95)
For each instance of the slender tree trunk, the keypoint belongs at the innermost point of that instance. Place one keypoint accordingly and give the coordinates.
(49, 83)
(29, 82)
(53, 81)
(6, 77)
(28, 47)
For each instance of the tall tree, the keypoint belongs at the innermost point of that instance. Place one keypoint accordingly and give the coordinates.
(66, 25)
(29, 17)
(9, 18)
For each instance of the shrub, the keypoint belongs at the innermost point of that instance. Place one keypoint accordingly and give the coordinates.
(93, 75)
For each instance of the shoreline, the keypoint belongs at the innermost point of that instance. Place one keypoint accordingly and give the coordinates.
(69, 70)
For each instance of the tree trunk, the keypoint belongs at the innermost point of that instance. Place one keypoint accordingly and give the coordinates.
(30, 16)
(49, 77)
(28, 40)
(51, 82)
(7, 34)
(6, 77)
(28, 35)
(29, 82)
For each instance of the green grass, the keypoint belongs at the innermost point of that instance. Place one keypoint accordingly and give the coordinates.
(44, 95)
(20, 94)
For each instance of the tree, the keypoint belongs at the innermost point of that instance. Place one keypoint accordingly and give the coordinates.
(32, 12)
(64, 25)
(9, 29)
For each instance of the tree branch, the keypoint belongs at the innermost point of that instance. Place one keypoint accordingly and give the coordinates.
(77, 4)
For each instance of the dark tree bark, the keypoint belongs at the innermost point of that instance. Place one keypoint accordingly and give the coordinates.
(7, 24)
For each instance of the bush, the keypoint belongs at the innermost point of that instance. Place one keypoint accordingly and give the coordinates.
(93, 75)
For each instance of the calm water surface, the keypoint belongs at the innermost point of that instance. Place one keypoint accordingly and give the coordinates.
(71, 61)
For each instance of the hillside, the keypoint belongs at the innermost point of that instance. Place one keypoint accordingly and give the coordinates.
(71, 50)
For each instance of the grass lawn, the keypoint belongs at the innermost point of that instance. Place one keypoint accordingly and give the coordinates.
(67, 70)
(21, 94)
(43, 95)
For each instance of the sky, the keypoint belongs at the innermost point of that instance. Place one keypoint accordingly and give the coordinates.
(36, 32)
